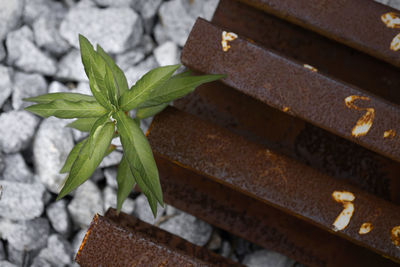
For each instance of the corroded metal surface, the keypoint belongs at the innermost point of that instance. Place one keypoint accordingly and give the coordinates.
(257, 222)
(329, 57)
(356, 23)
(287, 85)
(274, 179)
(125, 241)
(333, 155)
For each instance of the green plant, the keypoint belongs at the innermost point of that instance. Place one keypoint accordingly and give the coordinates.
(105, 115)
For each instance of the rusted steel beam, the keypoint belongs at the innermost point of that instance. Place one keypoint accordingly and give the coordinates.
(297, 88)
(126, 241)
(331, 154)
(328, 56)
(276, 180)
(363, 25)
(257, 222)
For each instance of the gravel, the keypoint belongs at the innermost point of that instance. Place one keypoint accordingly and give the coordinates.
(6, 75)
(27, 85)
(264, 258)
(16, 169)
(59, 217)
(10, 13)
(70, 67)
(57, 252)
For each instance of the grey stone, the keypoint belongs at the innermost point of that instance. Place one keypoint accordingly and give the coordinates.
(57, 87)
(78, 135)
(27, 85)
(40, 262)
(25, 235)
(16, 169)
(77, 240)
(57, 252)
(97, 176)
(2, 52)
(114, 3)
(110, 201)
(147, 10)
(178, 17)
(23, 53)
(130, 58)
(52, 144)
(82, 88)
(2, 251)
(94, 24)
(160, 34)
(33, 9)
(394, 3)
(167, 54)
(143, 211)
(111, 177)
(16, 256)
(47, 34)
(59, 217)
(226, 249)
(71, 68)
(10, 14)
(188, 227)
(18, 128)
(6, 75)
(112, 159)
(2, 164)
(21, 201)
(145, 124)
(215, 241)
(86, 203)
(264, 258)
(7, 264)
(133, 74)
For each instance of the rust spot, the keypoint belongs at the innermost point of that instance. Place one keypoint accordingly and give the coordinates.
(395, 44)
(364, 124)
(389, 133)
(344, 217)
(227, 36)
(95, 219)
(285, 109)
(309, 67)
(365, 228)
(394, 235)
(391, 19)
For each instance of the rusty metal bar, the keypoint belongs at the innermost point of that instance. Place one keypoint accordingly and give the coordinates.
(295, 88)
(276, 180)
(126, 241)
(357, 23)
(257, 222)
(295, 42)
(333, 155)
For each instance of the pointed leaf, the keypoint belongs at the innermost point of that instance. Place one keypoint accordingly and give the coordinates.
(73, 154)
(87, 53)
(97, 82)
(125, 181)
(140, 91)
(119, 75)
(175, 88)
(143, 113)
(46, 98)
(83, 124)
(95, 131)
(84, 166)
(111, 86)
(138, 153)
(65, 109)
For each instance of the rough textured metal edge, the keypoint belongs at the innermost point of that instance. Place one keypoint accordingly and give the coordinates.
(288, 85)
(109, 242)
(356, 23)
(276, 180)
(339, 158)
(257, 222)
(326, 55)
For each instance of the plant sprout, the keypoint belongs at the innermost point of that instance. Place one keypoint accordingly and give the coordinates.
(105, 115)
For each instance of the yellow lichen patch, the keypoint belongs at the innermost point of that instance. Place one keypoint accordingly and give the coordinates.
(389, 133)
(365, 228)
(391, 19)
(285, 109)
(394, 235)
(227, 37)
(309, 67)
(364, 124)
(395, 44)
(344, 217)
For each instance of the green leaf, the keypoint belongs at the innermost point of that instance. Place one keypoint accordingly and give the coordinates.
(138, 154)
(125, 181)
(119, 75)
(112, 89)
(175, 88)
(65, 109)
(95, 131)
(98, 87)
(87, 53)
(46, 98)
(83, 167)
(73, 154)
(140, 91)
(83, 124)
(143, 113)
